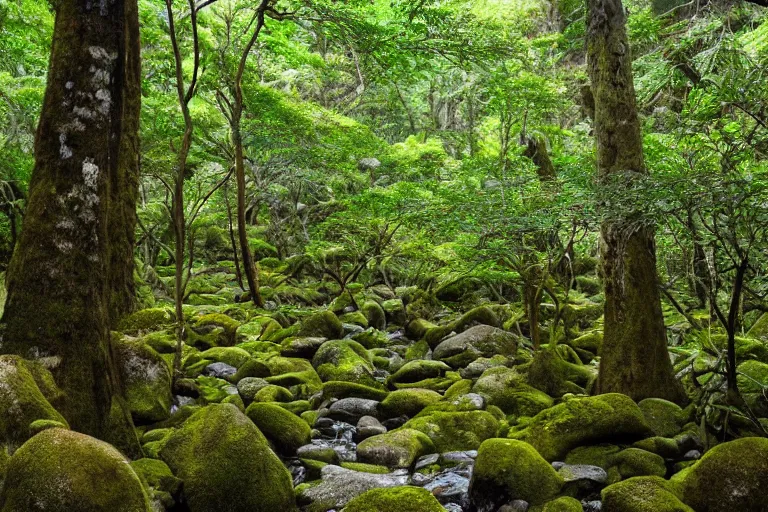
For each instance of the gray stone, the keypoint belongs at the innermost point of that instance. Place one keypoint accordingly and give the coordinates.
(339, 485)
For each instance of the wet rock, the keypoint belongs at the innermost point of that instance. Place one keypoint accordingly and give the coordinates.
(219, 370)
(352, 409)
(582, 480)
(479, 341)
(396, 449)
(450, 485)
(338, 486)
(369, 426)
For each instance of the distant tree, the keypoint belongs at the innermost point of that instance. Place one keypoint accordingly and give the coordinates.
(72, 272)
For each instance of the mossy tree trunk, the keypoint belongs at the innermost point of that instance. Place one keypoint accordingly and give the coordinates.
(74, 260)
(634, 358)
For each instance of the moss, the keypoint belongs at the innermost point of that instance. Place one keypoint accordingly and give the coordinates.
(454, 431)
(301, 347)
(663, 446)
(507, 389)
(665, 418)
(60, 471)
(394, 309)
(417, 329)
(314, 468)
(601, 455)
(297, 407)
(232, 356)
(345, 360)
(272, 393)
(395, 499)
(730, 476)
(322, 324)
(414, 371)
(549, 373)
(591, 341)
(354, 318)
(643, 494)
(396, 449)
(162, 342)
(156, 475)
(286, 430)
(636, 462)
(506, 470)
(371, 338)
(434, 384)
(157, 434)
(237, 472)
(562, 504)
(38, 426)
(343, 389)
(213, 390)
(146, 320)
(229, 326)
(407, 402)
(21, 402)
(236, 401)
(578, 421)
(476, 342)
(365, 468)
(482, 315)
(252, 368)
(417, 351)
(374, 314)
(147, 381)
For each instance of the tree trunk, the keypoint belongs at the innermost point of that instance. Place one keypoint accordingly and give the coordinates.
(60, 293)
(634, 358)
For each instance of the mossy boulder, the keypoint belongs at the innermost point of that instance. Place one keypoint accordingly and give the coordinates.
(644, 494)
(63, 471)
(579, 421)
(147, 380)
(226, 464)
(753, 384)
(507, 389)
(456, 431)
(636, 462)
(507, 470)
(22, 401)
(395, 499)
(482, 315)
(232, 356)
(356, 318)
(273, 393)
(159, 480)
(374, 314)
(414, 371)
(479, 341)
(394, 309)
(249, 386)
(222, 326)
(345, 360)
(396, 449)
(305, 347)
(407, 402)
(371, 338)
(286, 430)
(665, 418)
(417, 328)
(561, 504)
(323, 324)
(730, 476)
(344, 389)
(151, 319)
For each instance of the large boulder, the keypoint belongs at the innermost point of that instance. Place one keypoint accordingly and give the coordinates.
(456, 431)
(323, 324)
(397, 449)
(22, 401)
(226, 464)
(506, 389)
(408, 402)
(286, 430)
(665, 418)
(730, 476)
(418, 370)
(338, 486)
(395, 499)
(508, 470)
(644, 494)
(555, 376)
(147, 380)
(63, 471)
(579, 421)
(345, 360)
(479, 341)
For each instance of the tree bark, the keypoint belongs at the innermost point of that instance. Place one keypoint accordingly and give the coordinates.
(634, 357)
(60, 290)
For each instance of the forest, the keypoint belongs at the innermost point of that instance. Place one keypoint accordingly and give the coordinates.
(383, 255)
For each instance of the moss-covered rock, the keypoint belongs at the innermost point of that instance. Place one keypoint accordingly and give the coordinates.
(63, 471)
(665, 418)
(561, 504)
(232, 356)
(482, 315)
(21, 401)
(366, 468)
(151, 319)
(417, 329)
(636, 462)
(455, 431)
(753, 384)
(397, 449)
(407, 402)
(159, 480)
(354, 318)
(374, 314)
(394, 309)
(224, 326)
(730, 476)
(578, 421)
(249, 386)
(479, 341)
(345, 360)
(226, 464)
(305, 347)
(323, 324)
(371, 338)
(507, 470)
(343, 389)
(506, 388)
(395, 499)
(643, 494)
(414, 371)
(147, 380)
(273, 393)
(286, 430)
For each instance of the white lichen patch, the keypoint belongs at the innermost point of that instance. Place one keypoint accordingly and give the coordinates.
(90, 174)
(65, 151)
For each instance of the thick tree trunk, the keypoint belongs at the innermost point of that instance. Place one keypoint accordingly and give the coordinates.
(60, 293)
(634, 358)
